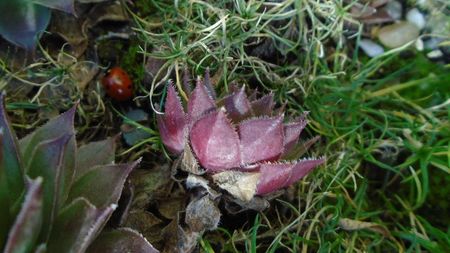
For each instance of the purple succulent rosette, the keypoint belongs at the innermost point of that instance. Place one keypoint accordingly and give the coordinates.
(240, 141)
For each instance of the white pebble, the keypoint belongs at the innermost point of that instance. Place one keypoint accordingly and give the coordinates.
(394, 9)
(398, 34)
(371, 48)
(416, 17)
(435, 54)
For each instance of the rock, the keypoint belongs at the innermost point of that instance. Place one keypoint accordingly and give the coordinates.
(435, 54)
(371, 48)
(398, 34)
(414, 16)
(394, 9)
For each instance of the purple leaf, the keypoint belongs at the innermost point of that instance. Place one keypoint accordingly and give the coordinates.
(25, 231)
(54, 128)
(302, 168)
(23, 22)
(105, 179)
(77, 225)
(263, 106)
(215, 142)
(62, 5)
(199, 102)
(172, 124)
(121, 240)
(47, 161)
(292, 132)
(237, 105)
(261, 139)
(273, 177)
(299, 149)
(95, 153)
(276, 176)
(11, 170)
(186, 81)
(208, 85)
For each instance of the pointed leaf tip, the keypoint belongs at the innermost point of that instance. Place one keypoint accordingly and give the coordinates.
(302, 168)
(173, 123)
(263, 106)
(200, 102)
(277, 176)
(215, 142)
(237, 105)
(292, 133)
(209, 86)
(261, 139)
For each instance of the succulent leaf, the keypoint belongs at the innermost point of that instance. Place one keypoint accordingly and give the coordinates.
(292, 133)
(277, 176)
(215, 142)
(23, 22)
(199, 102)
(299, 149)
(209, 86)
(62, 5)
(95, 153)
(63, 124)
(263, 106)
(105, 179)
(273, 177)
(23, 235)
(261, 139)
(121, 240)
(11, 171)
(237, 105)
(302, 168)
(172, 125)
(81, 222)
(47, 161)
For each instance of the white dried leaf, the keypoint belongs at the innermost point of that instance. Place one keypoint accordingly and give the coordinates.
(189, 162)
(242, 185)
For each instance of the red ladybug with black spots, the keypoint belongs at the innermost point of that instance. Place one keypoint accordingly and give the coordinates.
(117, 84)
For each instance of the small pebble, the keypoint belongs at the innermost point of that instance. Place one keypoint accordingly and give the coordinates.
(435, 54)
(414, 16)
(398, 34)
(394, 9)
(371, 48)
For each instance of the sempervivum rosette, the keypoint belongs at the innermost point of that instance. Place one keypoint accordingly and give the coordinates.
(242, 142)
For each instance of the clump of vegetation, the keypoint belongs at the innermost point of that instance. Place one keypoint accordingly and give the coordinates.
(56, 198)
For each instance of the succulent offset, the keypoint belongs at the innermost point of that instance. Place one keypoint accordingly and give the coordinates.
(241, 141)
(57, 198)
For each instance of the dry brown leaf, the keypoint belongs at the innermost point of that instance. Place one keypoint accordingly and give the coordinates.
(352, 225)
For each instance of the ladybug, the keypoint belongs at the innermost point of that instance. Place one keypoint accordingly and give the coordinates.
(117, 84)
